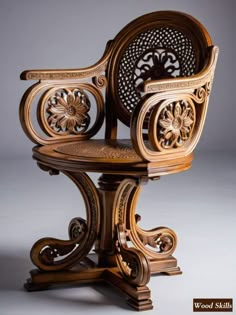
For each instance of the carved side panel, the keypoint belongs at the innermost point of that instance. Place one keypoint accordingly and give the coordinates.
(66, 111)
(63, 110)
(175, 122)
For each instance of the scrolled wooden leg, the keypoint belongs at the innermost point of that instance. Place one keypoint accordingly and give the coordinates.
(132, 263)
(134, 268)
(51, 254)
(157, 244)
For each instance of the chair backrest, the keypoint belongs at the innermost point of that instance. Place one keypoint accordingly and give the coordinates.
(167, 53)
(158, 45)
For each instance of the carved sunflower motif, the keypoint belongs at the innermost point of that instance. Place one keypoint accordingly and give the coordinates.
(177, 121)
(68, 111)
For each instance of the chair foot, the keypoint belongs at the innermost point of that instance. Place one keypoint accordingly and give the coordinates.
(31, 286)
(140, 305)
(43, 280)
(166, 266)
(138, 296)
(173, 271)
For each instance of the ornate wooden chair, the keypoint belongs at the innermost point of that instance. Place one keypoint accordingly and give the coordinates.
(155, 77)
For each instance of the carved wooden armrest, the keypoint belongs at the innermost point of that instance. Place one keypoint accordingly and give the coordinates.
(164, 85)
(172, 112)
(93, 71)
(63, 99)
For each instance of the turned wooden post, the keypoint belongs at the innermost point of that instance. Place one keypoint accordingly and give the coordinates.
(105, 246)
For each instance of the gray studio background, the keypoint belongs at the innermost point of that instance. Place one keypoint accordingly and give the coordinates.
(199, 204)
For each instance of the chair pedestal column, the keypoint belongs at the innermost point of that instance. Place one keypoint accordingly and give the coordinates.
(105, 244)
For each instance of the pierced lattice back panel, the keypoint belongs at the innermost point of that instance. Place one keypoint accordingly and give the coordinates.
(154, 54)
(153, 47)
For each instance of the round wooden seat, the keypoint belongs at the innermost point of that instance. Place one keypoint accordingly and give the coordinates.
(107, 151)
(106, 156)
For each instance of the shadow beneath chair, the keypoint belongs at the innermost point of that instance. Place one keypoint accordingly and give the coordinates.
(90, 296)
(14, 270)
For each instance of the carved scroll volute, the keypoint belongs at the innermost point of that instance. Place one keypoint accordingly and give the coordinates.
(132, 263)
(100, 81)
(156, 243)
(63, 111)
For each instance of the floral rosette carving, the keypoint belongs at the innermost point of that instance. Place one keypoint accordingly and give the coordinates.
(68, 111)
(176, 124)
